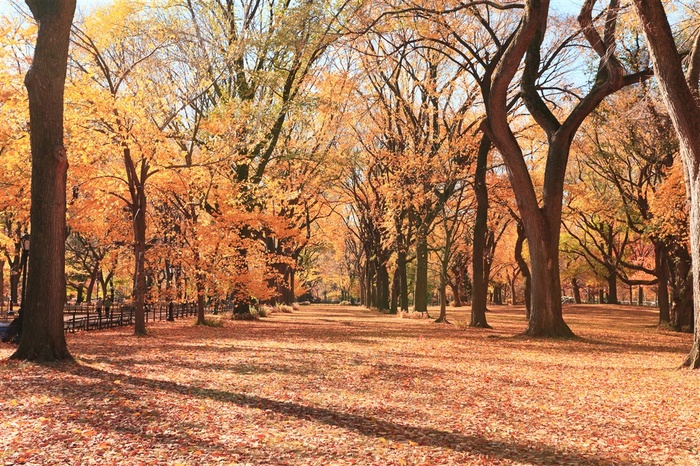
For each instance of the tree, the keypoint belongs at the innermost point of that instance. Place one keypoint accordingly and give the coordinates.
(541, 215)
(679, 89)
(42, 327)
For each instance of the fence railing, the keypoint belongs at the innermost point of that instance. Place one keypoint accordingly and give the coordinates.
(86, 316)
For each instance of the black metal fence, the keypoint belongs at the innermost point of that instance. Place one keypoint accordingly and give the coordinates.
(86, 316)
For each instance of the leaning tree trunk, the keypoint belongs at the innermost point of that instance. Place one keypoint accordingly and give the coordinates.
(42, 327)
(479, 274)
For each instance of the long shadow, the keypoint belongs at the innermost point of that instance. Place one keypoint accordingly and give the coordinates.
(365, 425)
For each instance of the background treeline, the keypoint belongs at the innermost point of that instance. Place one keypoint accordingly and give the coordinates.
(390, 154)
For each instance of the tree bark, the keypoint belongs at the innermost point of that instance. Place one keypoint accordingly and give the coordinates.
(660, 254)
(612, 286)
(524, 269)
(680, 93)
(200, 285)
(479, 274)
(403, 278)
(382, 287)
(456, 293)
(139, 293)
(681, 313)
(420, 300)
(42, 337)
(576, 289)
(395, 291)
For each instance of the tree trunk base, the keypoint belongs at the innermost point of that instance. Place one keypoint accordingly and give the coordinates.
(480, 325)
(442, 320)
(693, 359)
(42, 354)
(558, 331)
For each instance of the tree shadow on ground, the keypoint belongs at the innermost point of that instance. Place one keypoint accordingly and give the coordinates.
(364, 425)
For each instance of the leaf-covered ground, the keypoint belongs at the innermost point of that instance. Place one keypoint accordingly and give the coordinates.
(349, 386)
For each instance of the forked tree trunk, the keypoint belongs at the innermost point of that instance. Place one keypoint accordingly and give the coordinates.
(42, 327)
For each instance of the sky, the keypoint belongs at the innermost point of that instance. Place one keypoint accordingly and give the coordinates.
(563, 6)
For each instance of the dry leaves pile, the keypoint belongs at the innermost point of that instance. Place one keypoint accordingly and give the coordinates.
(350, 386)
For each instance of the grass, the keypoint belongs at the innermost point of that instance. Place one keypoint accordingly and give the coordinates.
(344, 385)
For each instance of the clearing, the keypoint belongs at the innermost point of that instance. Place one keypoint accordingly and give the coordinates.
(342, 385)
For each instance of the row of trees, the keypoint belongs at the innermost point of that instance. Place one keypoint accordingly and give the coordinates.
(198, 166)
(427, 151)
(212, 138)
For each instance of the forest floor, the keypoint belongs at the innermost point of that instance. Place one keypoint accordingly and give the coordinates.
(342, 385)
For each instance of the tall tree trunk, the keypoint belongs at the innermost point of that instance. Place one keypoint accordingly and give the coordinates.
(420, 299)
(15, 275)
(524, 269)
(680, 93)
(91, 283)
(576, 290)
(479, 274)
(680, 267)
(363, 286)
(42, 337)
(612, 286)
(382, 287)
(456, 292)
(442, 318)
(545, 313)
(200, 285)
(660, 254)
(403, 279)
(2, 283)
(139, 293)
(395, 291)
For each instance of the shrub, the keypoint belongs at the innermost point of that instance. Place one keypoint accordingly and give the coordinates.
(212, 323)
(252, 315)
(283, 308)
